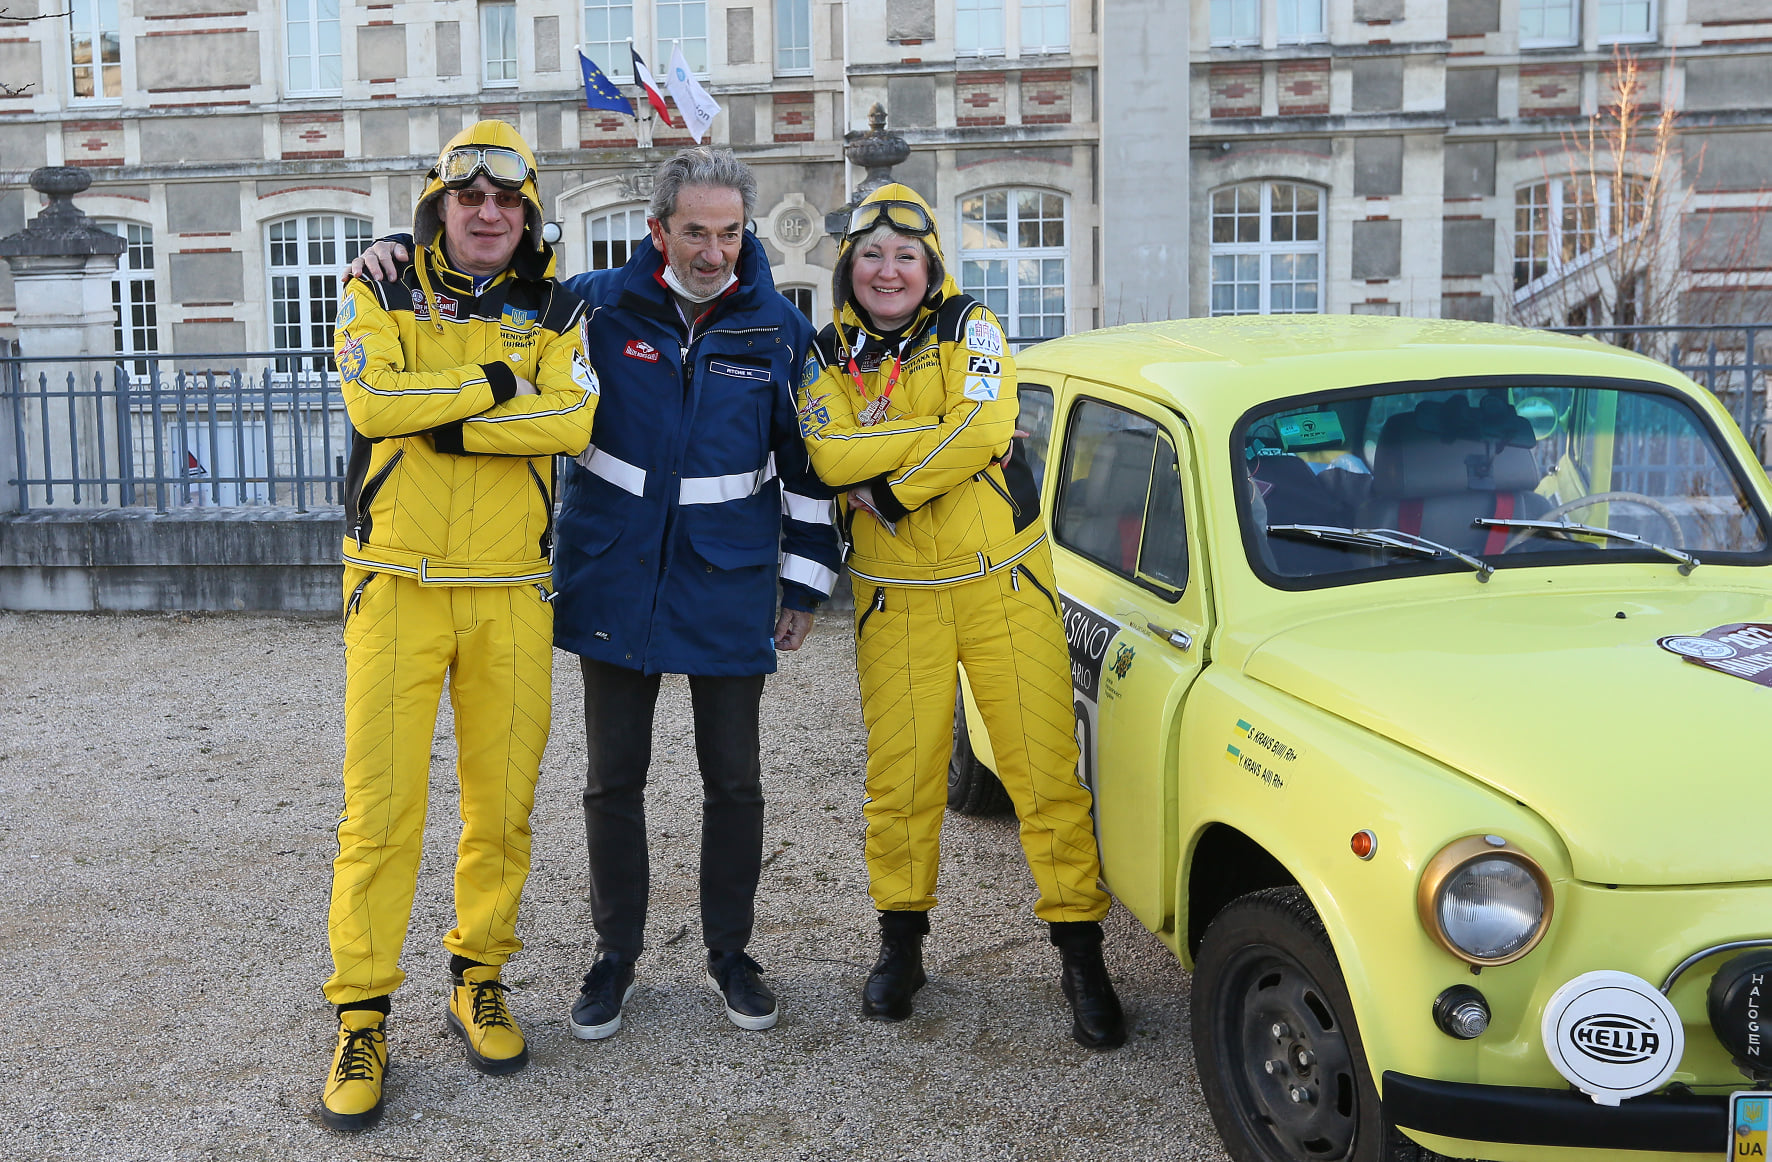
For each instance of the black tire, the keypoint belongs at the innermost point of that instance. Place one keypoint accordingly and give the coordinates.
(973, 788)
(1267, 989)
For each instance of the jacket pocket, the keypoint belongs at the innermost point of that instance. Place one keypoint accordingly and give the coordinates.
(725, 552)
(877, 605)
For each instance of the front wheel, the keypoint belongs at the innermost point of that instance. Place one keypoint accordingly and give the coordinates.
(973, 789)
(1279, 1054)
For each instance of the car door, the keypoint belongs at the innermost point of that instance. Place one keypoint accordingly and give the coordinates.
(1136, 617)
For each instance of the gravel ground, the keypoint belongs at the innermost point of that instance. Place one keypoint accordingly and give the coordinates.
(168, 787)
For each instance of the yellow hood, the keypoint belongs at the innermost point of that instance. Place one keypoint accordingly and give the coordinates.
(427, 222)
(941, 283)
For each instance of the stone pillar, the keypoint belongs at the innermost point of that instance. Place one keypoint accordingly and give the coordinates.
(877, 151)
(61, 273)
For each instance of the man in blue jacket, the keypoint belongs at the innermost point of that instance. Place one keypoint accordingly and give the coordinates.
(693, 502)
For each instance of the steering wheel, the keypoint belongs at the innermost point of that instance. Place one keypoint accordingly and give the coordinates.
(1661, 510)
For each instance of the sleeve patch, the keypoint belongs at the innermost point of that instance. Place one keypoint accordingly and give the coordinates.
(814, 416)
(583, 375)
(983, 387)
(347, 312)
(983, 365)
(809, 373)
(984, 337)
(351, 361)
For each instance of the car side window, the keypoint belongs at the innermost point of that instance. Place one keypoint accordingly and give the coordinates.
(1036, 420)
(1119, 501)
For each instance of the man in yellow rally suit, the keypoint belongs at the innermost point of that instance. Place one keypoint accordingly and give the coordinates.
(463, 378)
(951, 566)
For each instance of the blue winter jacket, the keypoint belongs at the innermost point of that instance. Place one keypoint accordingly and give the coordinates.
(695, 495)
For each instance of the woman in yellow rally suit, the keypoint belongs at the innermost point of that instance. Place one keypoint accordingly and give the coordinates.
(909, 402)
(461, 390)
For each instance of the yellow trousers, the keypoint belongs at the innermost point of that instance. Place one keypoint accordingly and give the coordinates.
(1005, 629)
(495, 644)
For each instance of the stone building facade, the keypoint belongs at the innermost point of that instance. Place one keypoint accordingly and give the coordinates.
(1094, 161)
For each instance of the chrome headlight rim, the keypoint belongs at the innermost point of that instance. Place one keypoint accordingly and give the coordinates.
(1454, 858)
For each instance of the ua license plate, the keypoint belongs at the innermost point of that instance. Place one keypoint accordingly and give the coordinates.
(1749, 1114)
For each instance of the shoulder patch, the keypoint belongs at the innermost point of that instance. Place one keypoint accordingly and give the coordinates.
(347, 312)
(984, 337)
(809, 372)
(583, 375)
(517, 318)
(983, 365)
(351, 361)
(982, 387)
(814, 416)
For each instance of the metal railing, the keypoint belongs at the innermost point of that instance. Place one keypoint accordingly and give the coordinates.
(1732, 361)
(173, 431)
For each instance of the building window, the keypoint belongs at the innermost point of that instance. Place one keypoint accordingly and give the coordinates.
(135, 328)
(310, 30)
(1045, 26)
(609, 25)
(610, 236)
(1013, 259)
(1544, 23)
(1267, 249)
(498, 44)
(1559, 224)
(793, 36)
(685, 24)
(978, 27)
(95, 46)
(1236, 22)
(1300, 21)
(303, 256)
(802, 298)
(1626, 20)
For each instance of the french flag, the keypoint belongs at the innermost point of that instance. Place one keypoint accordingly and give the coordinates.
(643, 75)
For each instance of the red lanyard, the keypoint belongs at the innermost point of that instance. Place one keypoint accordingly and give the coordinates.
(876, 409)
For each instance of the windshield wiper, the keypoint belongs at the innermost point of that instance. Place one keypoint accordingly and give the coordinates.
(1687, 561)
(1384, 538)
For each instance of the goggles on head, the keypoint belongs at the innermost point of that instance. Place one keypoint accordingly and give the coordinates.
(505, 167)
(906, 218)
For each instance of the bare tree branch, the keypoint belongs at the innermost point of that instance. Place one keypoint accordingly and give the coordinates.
(6, 16)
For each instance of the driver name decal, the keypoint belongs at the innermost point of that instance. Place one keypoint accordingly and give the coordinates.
(1742, 649)
(1246, 753)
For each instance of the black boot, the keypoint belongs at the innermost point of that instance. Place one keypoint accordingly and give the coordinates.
(898, 974)
(1097, 1020)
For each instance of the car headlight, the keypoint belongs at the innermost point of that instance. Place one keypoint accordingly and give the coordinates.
(1484, 901)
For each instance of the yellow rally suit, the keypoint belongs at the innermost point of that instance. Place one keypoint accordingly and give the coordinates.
(966, 577)
(448, 531)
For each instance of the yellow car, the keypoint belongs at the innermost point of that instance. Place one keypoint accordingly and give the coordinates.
(1421, 676)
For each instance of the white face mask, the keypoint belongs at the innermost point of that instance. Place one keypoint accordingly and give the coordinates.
(677, 287)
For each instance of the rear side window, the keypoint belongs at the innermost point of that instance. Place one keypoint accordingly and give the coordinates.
(1036, 421)
(1119, 501)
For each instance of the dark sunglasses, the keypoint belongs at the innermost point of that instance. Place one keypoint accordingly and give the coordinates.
(473, 199)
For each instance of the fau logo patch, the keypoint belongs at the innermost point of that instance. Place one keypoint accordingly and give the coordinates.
(638, 350)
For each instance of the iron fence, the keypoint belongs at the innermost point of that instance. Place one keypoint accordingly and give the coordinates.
(228, 429)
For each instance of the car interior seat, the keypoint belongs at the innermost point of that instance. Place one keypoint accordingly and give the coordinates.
(1437, 468)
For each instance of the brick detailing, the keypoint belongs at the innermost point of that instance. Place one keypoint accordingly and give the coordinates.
(1046, 97)
(1235, 90)
(92, 143)
(505, 113)
(793, 117)
(1648, 95)
(602, 129)
(1550, 90)
(310, 136)
(978, 98)
(1304, 87)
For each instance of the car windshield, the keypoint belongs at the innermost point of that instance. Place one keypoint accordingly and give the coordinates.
(1496, 475)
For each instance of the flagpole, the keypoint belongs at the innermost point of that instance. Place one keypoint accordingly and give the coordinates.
(640, 101)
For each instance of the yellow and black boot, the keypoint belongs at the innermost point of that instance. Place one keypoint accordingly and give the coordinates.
(898, 973)
(1097, 1021)
(353, 1096)
(479, 1014)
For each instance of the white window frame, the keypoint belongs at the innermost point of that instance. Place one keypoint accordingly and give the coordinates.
(695, 48)
(1560, 40)
(498, 35)
(134, 287)
(1266, 249)
(793, 291)
(1235, 23)
(979, 28)
(1040, 47)
(793, 38)
(1297, 9)
(1556, 267)
(324, 243)
(633, 218)
(1646, 35)
(315, 27)
(1013, 254)
(614, 20)
(90, 22)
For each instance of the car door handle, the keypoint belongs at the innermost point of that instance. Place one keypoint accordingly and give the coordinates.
(1180, 639)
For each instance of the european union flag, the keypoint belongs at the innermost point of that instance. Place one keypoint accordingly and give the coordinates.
(600, 93)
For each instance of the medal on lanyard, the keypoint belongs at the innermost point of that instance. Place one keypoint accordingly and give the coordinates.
(875, 411)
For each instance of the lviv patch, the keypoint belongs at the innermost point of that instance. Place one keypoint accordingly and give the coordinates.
(984, 337)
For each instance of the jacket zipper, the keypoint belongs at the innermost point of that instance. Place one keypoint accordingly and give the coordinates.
(1015, 578)
(546, 597)
(1035, 582)
(879, 603)
(368, 494)
(998, 489)
(357, 596)
(547, 507)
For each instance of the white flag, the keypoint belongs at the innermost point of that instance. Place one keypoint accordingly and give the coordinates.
(698, 109)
